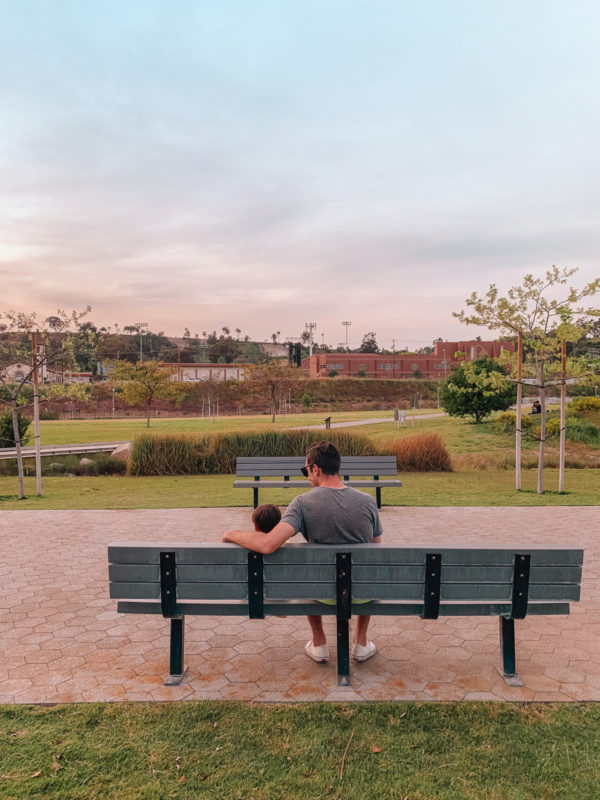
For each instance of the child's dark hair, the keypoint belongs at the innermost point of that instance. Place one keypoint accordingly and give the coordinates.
(265, 517)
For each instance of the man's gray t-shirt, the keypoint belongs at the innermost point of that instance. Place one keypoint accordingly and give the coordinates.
(334, 516)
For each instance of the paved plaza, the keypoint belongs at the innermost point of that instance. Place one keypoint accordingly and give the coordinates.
(63, 641)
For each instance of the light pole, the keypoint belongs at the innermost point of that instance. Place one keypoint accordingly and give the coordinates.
(346, 325)
(310, 326)
(139, 326)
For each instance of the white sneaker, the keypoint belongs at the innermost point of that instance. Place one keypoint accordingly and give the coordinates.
(319, 654)
(362, 652)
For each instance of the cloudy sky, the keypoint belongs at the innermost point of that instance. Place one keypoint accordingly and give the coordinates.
(268, 163)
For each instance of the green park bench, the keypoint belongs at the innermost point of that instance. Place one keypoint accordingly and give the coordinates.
(261, 472)
(177, 580)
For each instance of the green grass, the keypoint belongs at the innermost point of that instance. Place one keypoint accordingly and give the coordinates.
(107, 430)
(229, 751)
(475, 488)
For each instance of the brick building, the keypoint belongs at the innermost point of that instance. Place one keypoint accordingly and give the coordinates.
(402, 365)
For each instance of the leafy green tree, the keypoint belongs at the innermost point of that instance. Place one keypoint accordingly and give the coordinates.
(7, 434)
(369, 343)
(224, 348)
(56, 347)
(476, 388)
(143, 383)
(533, 312)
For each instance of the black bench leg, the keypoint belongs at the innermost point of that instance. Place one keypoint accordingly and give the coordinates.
(378, 495)
(176, 668)
(255, 497)
(343, 652)
(507, 643)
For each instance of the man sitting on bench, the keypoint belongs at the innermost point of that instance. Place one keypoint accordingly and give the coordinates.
(330, 513)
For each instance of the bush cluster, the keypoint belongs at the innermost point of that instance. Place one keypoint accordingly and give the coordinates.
(103, 464)
(585, 404)
(424, 452)
(181, 454)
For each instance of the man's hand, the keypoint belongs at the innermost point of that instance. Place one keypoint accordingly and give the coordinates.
(227, 536)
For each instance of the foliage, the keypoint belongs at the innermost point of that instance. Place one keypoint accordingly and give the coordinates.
(332, 373)
(7, 434)
(423, 452)
(143, 382)
(181, 454)
(585, 404)
(224, 350)
(272, 379)
(369, 343)
(544, 322)
(306, 400)
(476, 388)
(55, 346)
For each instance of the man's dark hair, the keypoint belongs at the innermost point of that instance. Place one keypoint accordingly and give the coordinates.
(325, 455)
(265, 517)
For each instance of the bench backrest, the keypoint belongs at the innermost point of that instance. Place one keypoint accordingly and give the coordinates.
(249, 467)
(378, 572)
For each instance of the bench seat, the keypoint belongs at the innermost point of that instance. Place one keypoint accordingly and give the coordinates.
(176, 580)
(260, 473)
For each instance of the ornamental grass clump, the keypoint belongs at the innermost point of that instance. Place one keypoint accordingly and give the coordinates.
(186, 454)
(424, 452)
(167, 454)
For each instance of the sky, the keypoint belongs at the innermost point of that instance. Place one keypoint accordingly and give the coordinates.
(270, 163)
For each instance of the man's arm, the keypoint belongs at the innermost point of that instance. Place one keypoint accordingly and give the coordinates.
(261, 542)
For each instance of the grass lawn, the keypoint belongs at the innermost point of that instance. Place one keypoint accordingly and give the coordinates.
(79, 431)
(229, 751)
(476, 488)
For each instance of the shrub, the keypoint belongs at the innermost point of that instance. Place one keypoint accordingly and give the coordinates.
(166, 454)
(577, 430)
(7, 434)
(332, 373)
(47, 414)
(307, 400)
(424, 452)
(176, 454)
(506, 422)
(585, 404)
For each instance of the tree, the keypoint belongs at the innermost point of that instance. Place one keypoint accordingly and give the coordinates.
(476, 388)
(542, 323)
(55, 346)
(272, 379)
(7, 434)
(369, 343)
(142, 383)
(224, 348)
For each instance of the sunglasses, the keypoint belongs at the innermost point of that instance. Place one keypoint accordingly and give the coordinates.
(305, 470)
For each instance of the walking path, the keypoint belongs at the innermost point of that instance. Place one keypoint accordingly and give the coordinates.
(64, 642)
(373, 421)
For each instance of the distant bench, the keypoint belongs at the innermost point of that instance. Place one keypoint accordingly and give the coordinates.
(289, 467)
(225, 580)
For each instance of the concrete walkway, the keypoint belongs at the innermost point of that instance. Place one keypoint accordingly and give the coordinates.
(62, 640)
(411, 419)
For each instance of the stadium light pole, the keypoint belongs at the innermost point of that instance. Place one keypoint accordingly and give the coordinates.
(346, 325)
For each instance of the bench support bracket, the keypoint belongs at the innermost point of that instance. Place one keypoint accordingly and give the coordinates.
(343, 569)
(177, 669)
(507, 643)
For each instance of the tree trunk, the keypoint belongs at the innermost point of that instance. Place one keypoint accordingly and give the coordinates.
(519, 413)
(148, 415)
(563, 417)
(540, 482)
(273, 408)
(17, 436)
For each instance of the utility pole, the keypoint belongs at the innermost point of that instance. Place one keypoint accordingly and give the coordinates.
(139, 326)
(310, 326)
(346, 325)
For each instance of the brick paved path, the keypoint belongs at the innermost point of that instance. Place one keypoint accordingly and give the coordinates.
(62, 640)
